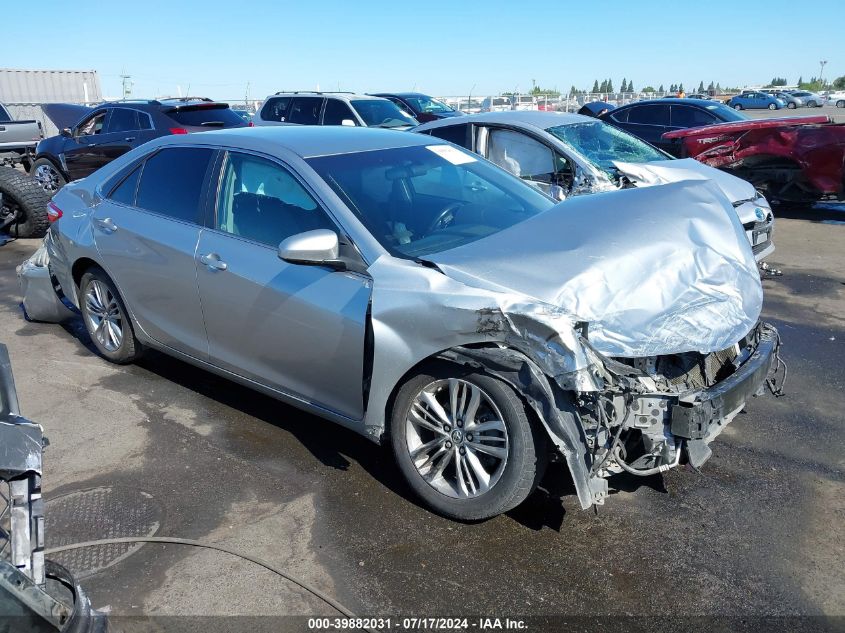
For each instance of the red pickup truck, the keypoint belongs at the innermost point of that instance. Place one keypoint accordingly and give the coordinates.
(797, 159)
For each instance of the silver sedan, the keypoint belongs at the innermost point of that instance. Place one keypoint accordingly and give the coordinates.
(410, 290)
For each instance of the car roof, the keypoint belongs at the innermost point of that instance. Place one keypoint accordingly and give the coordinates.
(704, 103)
(399, 94)
(315, 93)
(536, 118)
(307, 141)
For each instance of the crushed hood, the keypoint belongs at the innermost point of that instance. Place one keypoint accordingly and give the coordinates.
(660, 172)
(65, 114)
(657, 270)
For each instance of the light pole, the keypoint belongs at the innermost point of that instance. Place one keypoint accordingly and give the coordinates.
(821, 72)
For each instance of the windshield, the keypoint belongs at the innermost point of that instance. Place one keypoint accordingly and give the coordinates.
(382, 113)
(426, 199)
(427, 104)
(602, 144)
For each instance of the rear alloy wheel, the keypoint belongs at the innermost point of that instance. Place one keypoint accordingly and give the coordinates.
(811, 104)
(738, 107)
(790, 105)
(106, 318)
(840, 103)
(47, 176)
(465, 444)
(772, 106)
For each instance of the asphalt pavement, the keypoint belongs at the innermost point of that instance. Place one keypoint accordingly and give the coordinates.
(758, 533)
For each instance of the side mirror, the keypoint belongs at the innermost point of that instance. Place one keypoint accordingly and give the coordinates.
(67, 132)
(348, 122)
(320, 246)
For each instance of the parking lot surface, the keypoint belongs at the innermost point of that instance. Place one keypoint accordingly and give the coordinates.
(759, 532)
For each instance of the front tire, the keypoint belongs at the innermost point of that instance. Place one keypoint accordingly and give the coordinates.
(811, 104)
(840, 103)
(790, 105)
(48, 176)
(738, 106)
(106, 318)
(773, 106)
(464, 442)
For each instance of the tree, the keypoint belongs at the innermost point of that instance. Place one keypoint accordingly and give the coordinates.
(648, 89)
(700, 87)
(660, 89)
(681, 87)
(624, 86)
(603, 86)
(718, 88)
(673, 88)
(572, 90)
(595, 86)
(610, 85)
(711, 87)
(800, 80)
(839, 83)
(778, 81)
(631, 86)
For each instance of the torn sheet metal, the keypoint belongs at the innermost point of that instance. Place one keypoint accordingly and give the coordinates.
(20, 447)
(653, 271)
(40, 300)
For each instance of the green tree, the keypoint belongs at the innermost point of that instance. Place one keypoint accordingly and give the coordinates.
(673, 88)
(681, 87)
(778, 81)
(609, 85)
(648, 89)
(603, 86)
(595, 86)
(700, 86)
(800, 80)
(711, 87)
(839, 83)
(660, 89)
(718, 88)
(572, 90)
(631, 86)
(624, 86)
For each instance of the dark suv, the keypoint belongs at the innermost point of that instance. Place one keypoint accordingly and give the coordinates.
(111, 129)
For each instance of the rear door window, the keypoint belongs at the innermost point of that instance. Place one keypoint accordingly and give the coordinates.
(657, 114)
(686, 116)
(337, 112)
(276, 109)
(172, 182)
(305, 110)
(123, 120)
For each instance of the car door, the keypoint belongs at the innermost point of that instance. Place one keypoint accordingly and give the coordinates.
(127, 129)
(527, 158)
(648, 122)
(297, 329)
(146, 232)
(82, 151)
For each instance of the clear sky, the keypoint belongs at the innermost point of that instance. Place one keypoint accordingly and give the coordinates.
(216, 47)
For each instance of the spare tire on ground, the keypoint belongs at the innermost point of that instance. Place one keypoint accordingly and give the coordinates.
(24, 200)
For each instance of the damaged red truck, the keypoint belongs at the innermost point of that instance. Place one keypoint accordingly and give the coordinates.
(798, 159)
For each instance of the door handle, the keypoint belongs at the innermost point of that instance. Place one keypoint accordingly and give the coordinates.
(212, 260)
(129, 139)
(106, 225)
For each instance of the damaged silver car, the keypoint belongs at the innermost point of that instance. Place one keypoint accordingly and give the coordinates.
(404, 288)
(570, 154)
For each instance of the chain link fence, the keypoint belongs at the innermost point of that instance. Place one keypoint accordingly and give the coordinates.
(562, 103)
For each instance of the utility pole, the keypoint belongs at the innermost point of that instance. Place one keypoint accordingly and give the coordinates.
(821, 72)
(127, 85)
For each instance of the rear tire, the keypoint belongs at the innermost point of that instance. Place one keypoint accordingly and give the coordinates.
(737, 106)
(48, 176)
(23, 196)
(811, 104)
(840, 103)
(106, 318)
(490, 484)
(790, 105)
(772, 106)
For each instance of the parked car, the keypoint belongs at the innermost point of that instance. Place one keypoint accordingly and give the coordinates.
(332, 108)
(810, 99)
(93, 137)
(406, 289)
(649, 120)
(496, 104)
(17, 139)
(836, 98)
(422, 107)
(791, 101)
(524, 102)
(797, 159)
(569, 154)
(755, 101)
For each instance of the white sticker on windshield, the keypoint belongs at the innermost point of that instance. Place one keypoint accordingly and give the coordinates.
(452, 154)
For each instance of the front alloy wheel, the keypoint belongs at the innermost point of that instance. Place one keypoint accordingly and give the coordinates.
(456, 438)
(464, 442)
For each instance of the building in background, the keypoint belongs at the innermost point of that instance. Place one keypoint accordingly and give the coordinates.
(23, 91)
